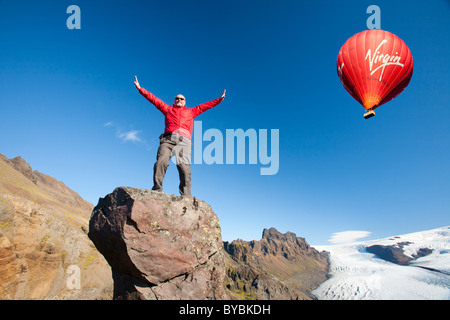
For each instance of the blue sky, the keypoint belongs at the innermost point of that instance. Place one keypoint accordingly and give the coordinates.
(70, 108)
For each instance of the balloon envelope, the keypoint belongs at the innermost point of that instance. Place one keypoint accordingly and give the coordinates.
(374, 66)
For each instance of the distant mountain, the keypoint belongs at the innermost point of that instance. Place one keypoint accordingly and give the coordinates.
(279, 266)
(413, 266)
(43, 240)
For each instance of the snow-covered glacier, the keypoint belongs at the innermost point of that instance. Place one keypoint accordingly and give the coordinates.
(357, 274)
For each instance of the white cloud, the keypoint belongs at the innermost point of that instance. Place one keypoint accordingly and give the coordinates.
(130, 136)
(348, 236)
(127, 136)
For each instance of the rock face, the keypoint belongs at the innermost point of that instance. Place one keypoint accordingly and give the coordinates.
(279, 266)
(43, 241)
(159, 246)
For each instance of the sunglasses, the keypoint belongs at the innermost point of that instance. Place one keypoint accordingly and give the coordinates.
(179, 98)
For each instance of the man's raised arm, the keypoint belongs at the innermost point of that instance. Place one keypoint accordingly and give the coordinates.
(208, 105)
(158, 103)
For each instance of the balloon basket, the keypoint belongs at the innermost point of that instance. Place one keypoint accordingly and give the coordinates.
(369, 114)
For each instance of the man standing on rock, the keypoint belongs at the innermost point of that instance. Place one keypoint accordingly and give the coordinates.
(176, 139)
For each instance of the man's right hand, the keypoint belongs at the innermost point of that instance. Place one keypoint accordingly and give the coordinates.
(136, 83)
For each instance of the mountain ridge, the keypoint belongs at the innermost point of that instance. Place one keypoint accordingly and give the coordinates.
(43, 226)
(53, 186)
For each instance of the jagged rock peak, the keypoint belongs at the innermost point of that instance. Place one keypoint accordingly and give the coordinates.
(22, 166)
(20, 162)
(279, 266)
(273, 233)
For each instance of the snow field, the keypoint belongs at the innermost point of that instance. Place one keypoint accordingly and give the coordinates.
(359, 275)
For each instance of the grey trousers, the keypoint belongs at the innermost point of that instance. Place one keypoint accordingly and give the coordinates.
(180, 147)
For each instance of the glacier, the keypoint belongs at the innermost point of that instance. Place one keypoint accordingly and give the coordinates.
(356, 274)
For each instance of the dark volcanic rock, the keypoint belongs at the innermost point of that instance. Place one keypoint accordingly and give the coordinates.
(390, 253)
(395, 254)
(422, 252)
(159, 246)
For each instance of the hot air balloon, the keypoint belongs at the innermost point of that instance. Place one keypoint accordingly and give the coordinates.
(374, 66)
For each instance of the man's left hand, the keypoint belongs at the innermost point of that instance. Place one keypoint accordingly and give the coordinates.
(223, 95)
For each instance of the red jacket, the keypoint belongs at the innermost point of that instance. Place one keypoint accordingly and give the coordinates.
(178, 120)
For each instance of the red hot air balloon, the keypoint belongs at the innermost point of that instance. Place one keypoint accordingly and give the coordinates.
(374, 66)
